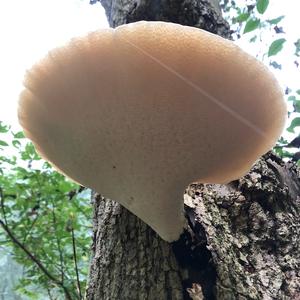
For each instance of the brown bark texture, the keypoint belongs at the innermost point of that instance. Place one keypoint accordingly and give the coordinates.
(242, 241)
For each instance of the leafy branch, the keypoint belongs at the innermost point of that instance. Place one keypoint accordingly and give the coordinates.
(35, 260)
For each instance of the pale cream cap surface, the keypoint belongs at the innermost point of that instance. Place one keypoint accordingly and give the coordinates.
(139, 112)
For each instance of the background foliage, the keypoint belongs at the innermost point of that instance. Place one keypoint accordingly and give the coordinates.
(269, 37)
(45, 218)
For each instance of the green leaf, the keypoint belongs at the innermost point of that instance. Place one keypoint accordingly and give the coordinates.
(282, 140)
(30, 153)
(16, 143)
(241, 17)
(3, 128)
(251, 25)
(275, 21)
(283, 153)
(19, 135)
(7, 160)
(291, 98)
(297, 45)
(65, 186)
(295, 123)
(298, 92)
(262, 5)
(296, 105)
(2, 143)
(276, 65)
(276, 47)
(253, 39)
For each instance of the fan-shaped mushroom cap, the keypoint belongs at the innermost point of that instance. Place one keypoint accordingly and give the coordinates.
(139, 112)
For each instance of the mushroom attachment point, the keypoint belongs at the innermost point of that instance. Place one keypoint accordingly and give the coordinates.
(138, 112)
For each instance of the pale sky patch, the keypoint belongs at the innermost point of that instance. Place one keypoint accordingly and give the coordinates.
(28, 29)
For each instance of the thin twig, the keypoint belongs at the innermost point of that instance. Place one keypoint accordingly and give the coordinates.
(2, 205)
(75, 262)
(61, 259)
(30, 228)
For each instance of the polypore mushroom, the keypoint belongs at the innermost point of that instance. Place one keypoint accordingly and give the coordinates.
(139, 112)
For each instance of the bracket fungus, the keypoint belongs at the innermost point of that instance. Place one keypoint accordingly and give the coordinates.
(139, 112)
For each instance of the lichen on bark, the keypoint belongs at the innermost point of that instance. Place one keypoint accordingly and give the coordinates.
(252, 231)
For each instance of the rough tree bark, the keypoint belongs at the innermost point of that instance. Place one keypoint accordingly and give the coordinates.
(243, 237)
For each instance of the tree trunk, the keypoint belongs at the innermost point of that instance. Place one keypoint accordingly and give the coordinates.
(243, 237)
